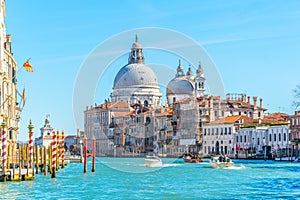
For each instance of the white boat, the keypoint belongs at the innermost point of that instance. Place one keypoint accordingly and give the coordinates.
(153, 161)
(220, 162)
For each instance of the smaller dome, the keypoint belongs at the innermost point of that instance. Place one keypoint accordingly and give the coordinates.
(179, 86)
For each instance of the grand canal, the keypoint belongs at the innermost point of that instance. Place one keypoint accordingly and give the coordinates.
(128, 178)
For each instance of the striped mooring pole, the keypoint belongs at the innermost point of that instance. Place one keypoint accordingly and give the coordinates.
(4, 150)
(62, 149)
(30, 144)
(53, 174)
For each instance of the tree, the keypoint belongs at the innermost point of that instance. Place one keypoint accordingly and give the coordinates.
(296, 102)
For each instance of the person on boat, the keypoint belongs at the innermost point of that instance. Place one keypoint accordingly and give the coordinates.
(220, 158)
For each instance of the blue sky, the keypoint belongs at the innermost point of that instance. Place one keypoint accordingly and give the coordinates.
(254, 44)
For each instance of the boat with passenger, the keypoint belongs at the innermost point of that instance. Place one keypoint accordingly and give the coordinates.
(221, 162)
(153, 161)
(191, 158)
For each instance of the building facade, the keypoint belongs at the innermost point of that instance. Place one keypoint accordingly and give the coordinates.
(9, 109)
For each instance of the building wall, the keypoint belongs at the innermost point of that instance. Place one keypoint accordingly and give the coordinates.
(215, 135)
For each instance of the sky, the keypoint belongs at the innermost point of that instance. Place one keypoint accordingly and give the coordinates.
(254, 45)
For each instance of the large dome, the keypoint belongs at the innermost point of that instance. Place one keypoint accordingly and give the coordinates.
(135, 75)
(180, 85)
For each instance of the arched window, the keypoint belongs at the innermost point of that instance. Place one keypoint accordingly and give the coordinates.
(279, 137)
(284, 137)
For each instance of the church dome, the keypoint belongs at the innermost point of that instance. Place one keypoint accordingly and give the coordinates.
(180, 85)
(135, 75)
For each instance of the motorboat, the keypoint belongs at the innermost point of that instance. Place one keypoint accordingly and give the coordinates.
(153, 161)
(191, 158)
(221, 162)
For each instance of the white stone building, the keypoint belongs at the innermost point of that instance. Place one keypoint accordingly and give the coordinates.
(46, 136)
(253, 140)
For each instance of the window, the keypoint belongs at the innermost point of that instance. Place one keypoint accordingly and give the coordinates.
(259, 114)
(270, 137)
(174, 99)
(208, 131)
(237, 138)
(225, 131)
(284, 137)
(241, 137)
(212, 131)
(258, 141)
(275, 137)
(205, 131)
(229, 130)
(221, 141)
(279, 137)
(245, 138)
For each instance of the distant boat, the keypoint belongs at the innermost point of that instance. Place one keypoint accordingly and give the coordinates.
(191, 158)
(220, 162)
(153, 161)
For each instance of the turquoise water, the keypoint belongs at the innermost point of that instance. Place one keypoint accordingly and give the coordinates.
(128, 178)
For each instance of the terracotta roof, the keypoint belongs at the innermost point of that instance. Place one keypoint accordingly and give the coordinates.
(117, 104)
(233, 119)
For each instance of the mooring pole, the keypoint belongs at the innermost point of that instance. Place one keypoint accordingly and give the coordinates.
(4, 150)
(93, 153)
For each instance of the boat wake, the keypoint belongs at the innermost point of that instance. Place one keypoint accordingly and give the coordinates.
(236, 167)
(171, 165)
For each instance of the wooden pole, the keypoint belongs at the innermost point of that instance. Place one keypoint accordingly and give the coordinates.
(45, 161)
(84, 154)
(42, 159)
(4, 150)
(62, 149)
(37, 159)
(50, 159)
(93, 153)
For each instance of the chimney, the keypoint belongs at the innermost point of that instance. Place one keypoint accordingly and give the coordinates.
(248, 102)
(260, 102)
(254, 101)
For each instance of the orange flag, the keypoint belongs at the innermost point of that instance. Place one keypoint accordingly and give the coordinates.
(28, 67)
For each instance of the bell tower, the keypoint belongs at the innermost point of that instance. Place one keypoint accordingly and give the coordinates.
(200, 81)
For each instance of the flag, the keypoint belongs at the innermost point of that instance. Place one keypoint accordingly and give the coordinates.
(24, 97)
(28, 67)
